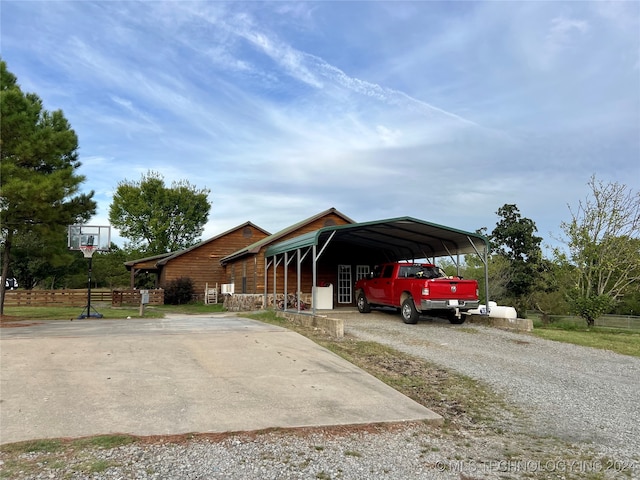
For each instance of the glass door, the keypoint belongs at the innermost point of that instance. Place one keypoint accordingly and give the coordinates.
(345, 286)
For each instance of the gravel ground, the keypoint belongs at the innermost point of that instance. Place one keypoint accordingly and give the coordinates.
(582, 421)
(571, 392)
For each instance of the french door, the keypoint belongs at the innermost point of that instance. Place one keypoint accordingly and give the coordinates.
(345, 286)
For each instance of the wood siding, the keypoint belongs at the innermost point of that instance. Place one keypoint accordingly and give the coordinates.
(252, 265)
(202, 264)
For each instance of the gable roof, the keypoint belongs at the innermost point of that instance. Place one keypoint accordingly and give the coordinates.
(131, 263)
(401, 238)
(166, 257)
(257, 246)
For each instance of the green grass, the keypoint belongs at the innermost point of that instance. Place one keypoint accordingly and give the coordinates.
(103, 441)
(67, 313)
(34, 446)
(189, 308)
(108, 312)
(271, 317)
(624, 342)
(52, 453)
(56, 445)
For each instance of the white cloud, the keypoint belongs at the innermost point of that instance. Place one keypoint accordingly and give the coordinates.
(440, 113)
(563, 34)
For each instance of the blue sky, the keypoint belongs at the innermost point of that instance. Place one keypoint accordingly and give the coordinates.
(439, 111)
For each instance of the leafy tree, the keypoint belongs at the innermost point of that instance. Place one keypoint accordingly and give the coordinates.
(109, 270)
(38, 161)
(548, 296)
(603, 240)
(44, 261)
(157, 218)
(517, 257)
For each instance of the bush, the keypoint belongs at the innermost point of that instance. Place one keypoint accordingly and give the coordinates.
(179, 291)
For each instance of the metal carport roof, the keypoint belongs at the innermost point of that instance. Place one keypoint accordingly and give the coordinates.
(401, 238)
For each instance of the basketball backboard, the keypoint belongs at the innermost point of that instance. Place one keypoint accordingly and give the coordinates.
(89, 235)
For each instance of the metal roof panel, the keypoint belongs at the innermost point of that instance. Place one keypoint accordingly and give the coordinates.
(402, 238)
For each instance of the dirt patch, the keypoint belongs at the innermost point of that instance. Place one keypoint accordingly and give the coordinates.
(14, 325)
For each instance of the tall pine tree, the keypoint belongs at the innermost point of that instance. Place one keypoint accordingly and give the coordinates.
(39, 186)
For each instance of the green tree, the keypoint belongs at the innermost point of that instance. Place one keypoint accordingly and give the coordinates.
(603, 241)
(36, 260)
(156, 218)
(39, 186)
(513, 240)
(109, 270)
(548, 296)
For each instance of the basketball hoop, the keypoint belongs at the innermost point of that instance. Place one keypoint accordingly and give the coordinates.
(89, 239)
(88, 250)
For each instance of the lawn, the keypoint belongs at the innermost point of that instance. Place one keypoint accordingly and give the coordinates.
(626, 342)
(107, 311)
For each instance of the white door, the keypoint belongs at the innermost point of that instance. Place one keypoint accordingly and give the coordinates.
(344, 284)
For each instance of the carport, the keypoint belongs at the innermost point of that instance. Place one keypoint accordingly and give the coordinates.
(392, 240)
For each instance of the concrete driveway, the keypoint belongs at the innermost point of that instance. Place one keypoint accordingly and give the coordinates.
(181, 374)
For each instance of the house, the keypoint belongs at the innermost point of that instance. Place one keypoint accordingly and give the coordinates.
(201, 262)
(320, 257)
(247, 267)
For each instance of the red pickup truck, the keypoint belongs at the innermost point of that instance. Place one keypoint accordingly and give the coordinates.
(417, 288)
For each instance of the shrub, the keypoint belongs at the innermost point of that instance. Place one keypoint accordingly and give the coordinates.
(179, 291)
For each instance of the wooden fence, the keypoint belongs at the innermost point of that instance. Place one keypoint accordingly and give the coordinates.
(77, 297)
(132, 297)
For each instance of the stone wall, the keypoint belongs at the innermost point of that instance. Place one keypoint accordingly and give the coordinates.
(248, 302)
(331, 326)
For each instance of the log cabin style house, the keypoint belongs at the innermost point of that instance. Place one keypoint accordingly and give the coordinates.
(200, 263)
(329, 252)
(234, 257)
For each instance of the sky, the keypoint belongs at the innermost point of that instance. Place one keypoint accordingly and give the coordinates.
(441, 111)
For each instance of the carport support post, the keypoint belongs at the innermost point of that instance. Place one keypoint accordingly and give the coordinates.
(485, 259)
(275, 282)
(286, 279)
(314, 273)
(486, 277)
(298, 286)
(266, 284)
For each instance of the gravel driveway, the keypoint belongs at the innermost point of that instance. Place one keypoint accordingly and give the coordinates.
(574, 393)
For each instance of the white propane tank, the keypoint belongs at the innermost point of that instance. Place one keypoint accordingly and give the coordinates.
(496, 311)
(503, 312)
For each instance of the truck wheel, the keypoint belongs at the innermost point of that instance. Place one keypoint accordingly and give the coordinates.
(363, 303)
(409, 313)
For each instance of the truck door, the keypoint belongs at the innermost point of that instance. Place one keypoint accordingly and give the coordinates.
(386, 282)
(374, 286)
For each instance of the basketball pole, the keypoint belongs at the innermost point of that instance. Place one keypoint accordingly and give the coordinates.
(88, 307)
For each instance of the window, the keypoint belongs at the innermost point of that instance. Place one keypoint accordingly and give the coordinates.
(362, 271)
(388, 271)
